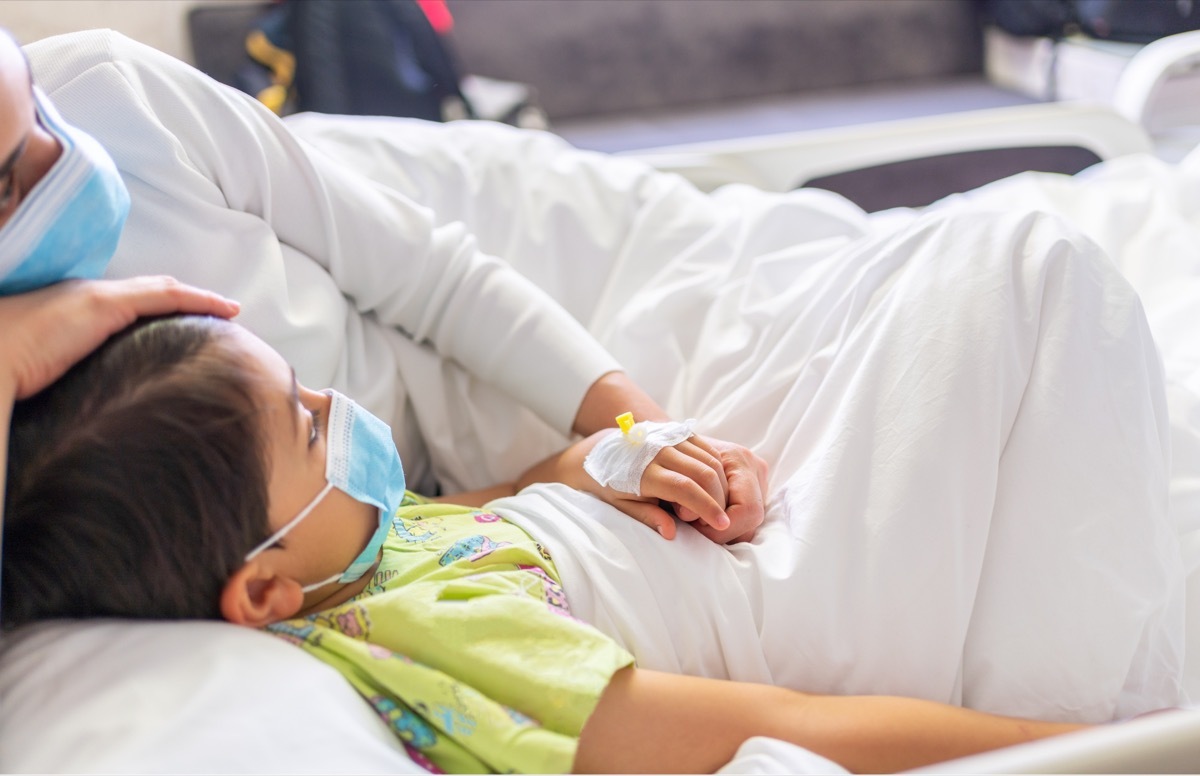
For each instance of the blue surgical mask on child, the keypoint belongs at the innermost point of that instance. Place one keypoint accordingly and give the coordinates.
(69, 223)
(361, 461)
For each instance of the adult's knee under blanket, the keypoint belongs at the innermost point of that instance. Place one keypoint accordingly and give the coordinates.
(967, 424)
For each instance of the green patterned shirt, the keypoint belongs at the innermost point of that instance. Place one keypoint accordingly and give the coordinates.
(464, 643)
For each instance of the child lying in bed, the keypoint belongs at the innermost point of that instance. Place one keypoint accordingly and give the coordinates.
(181, 472)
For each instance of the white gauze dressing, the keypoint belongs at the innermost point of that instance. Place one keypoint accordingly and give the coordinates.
(620, 458)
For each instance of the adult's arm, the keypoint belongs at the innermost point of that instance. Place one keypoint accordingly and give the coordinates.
(274, 220)
(228, 198)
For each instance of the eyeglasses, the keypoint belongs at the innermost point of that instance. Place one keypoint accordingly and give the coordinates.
(8, 177)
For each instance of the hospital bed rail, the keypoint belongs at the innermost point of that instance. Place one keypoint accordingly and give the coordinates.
(1159, 743)
(911, 162)
(1144, 82)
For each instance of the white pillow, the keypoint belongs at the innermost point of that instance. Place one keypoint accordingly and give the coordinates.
(186, 697)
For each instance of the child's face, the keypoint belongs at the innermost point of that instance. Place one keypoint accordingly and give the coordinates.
(294, 418)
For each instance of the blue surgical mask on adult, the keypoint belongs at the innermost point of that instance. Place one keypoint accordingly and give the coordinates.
(361, 461)
(69, 223)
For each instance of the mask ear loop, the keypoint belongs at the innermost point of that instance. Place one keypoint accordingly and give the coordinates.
(282, 532)
(322, 583)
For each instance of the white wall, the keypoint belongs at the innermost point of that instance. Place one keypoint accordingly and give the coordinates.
(158, 23)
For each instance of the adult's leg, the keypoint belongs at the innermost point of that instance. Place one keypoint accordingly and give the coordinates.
(1078, 612)
(974, 509)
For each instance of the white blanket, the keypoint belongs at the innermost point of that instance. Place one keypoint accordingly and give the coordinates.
(969, 501)
(964, 410)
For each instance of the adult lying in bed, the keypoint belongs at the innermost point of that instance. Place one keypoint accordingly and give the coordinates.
(352, 279)
(194, 450)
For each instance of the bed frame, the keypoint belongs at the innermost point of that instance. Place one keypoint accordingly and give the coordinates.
(912, 162)
(1160, 743)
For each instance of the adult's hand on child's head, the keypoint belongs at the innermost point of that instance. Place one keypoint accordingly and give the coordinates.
(47, 331)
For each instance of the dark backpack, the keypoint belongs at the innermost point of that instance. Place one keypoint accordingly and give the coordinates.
(1130, 21)
(1136, 21)
(355, 57)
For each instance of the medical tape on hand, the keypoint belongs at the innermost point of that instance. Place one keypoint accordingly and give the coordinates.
(619, 459)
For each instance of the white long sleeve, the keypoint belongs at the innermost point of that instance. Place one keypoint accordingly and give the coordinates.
(225, 197)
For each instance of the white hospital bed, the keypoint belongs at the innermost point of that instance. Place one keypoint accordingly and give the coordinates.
(153, 698)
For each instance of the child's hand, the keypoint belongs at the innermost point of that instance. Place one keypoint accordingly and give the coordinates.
(48, 330)
(685, 481)
(741, 473)
(690, 479)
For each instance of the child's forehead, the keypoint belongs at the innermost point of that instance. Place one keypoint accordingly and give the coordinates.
(246, 343)
(274, 373)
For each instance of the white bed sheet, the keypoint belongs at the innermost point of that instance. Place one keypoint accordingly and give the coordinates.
(654, 256)
(969, 499)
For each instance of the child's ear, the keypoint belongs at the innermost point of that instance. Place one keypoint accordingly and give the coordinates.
(256, 596)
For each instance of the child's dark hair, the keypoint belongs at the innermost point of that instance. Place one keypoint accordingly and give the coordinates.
(137, 482)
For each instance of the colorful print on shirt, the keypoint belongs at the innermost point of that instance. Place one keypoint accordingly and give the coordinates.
(464, 644)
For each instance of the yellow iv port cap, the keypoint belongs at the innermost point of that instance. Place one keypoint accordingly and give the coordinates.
(625, 421)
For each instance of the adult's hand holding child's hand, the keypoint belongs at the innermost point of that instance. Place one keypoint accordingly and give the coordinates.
(49, 330)
(716, 486)
(746, 475)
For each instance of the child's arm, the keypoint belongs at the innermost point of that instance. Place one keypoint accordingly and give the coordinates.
(675, 476)
(684, 476)
(742, 474)
(681, 476)
(650, 722)
(477, 498)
